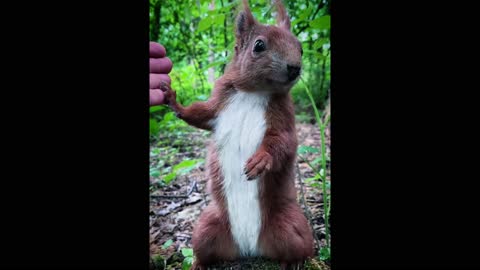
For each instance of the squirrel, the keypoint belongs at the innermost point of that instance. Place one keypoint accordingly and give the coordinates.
(250, 165)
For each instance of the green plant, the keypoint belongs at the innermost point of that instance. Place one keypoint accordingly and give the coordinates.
(169, 174)
(322, 174)
(167, 244)
(189, 258)
(199, 38)
(182, 168)
(158, 259)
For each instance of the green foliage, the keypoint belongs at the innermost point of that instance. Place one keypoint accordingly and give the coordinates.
(322, 23)
(199, 38)
(167, 175)
(153, 126)
(188, 260)
(313, 181)
(181, 169)
(187, 252)
(159, 262)
(167, 244)
(324, 253)
(187, 165)
(321, 173)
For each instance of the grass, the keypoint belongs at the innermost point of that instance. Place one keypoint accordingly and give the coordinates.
(324, 251)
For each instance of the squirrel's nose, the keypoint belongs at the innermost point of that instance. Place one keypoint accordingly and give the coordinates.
(293, 72)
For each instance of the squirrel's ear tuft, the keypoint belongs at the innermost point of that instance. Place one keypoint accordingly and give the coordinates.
(282, 17)
(245, 21)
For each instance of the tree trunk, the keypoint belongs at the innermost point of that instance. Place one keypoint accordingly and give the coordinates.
(211, 54)
(156, 21)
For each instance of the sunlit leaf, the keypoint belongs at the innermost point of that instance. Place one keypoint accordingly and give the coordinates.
(319, 43)
(187, 165)
(303, 149)
(167, 244)
(187, 252)
(311, 179)
(219, 19)
(321, 22)
(187, 263)
(324, 253)
(155, 109)
(153, 127)
(205, 23)
(167, 179)
(305, 13)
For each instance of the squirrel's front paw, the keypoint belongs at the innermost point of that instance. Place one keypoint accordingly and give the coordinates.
(258, 164)
(170, 98)
(170, 95)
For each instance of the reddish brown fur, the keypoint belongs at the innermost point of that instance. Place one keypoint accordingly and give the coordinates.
(282, 18)
(285, 234)
(211, 239)
(200, 113)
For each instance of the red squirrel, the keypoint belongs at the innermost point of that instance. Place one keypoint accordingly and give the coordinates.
(250, 165)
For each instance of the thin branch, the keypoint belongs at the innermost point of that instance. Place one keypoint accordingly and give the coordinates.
(193, 187)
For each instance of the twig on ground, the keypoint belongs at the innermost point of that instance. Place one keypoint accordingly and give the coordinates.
(193, 187)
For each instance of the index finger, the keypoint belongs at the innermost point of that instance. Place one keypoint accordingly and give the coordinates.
(157, 50)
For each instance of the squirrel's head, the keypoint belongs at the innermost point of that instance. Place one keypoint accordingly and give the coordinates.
(267, 57)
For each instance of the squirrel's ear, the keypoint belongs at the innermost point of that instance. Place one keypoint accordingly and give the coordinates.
(245, 20)
(282, 17)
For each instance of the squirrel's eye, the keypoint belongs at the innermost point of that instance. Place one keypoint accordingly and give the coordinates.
(301, 51)
(259, 46)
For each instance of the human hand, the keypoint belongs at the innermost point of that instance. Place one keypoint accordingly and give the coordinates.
(160, 66)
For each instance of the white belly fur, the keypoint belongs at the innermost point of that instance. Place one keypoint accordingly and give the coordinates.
(239, 131)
